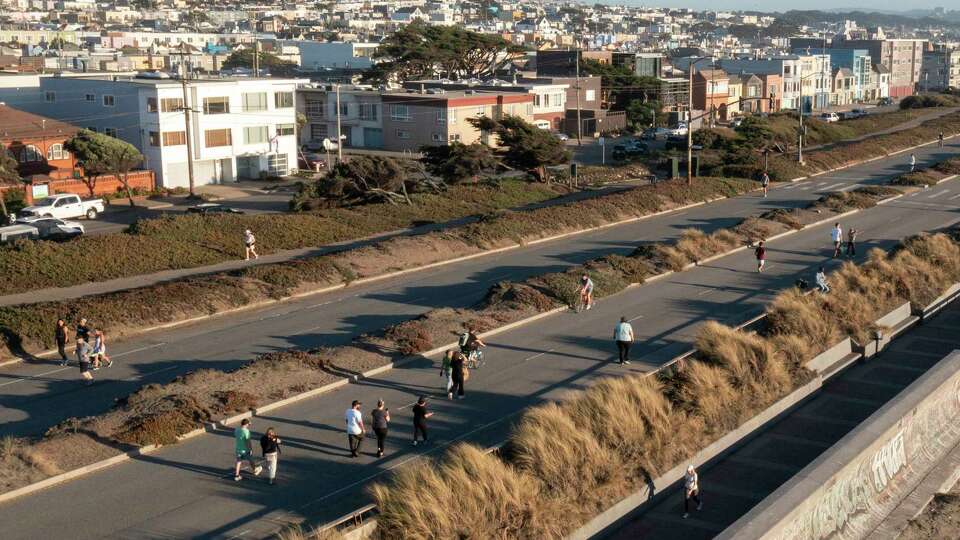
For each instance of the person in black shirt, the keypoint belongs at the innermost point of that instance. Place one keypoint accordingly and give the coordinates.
(458, 374)
(420, 416)
(381, 418)
(61, 336)
(270, 444)
(83, 330)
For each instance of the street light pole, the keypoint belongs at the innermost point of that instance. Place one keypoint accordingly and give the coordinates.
(339, 134)
(690, 125)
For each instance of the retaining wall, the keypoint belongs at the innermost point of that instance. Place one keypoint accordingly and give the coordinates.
(848, 491)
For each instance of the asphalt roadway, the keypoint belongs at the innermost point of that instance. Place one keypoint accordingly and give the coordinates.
(732, 485)
(183, 491)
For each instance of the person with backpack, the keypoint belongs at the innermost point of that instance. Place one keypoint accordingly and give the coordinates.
(270, 445)
(470, 342)
(761, 255)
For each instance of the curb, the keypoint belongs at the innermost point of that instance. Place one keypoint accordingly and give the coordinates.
(212, 426)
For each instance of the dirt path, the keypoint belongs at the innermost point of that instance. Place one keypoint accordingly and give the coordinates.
(940, 519)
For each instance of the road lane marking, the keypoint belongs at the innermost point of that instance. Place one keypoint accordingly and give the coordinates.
(141, 349)
(848, 188)
(805, 188)
(937, 194)
(35, 376)
(828, 188)
(635, 318)
(954, 197)
(708, 291)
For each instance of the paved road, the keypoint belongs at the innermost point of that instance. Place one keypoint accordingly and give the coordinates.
(36, 396)
(732, 486)
(182, 491)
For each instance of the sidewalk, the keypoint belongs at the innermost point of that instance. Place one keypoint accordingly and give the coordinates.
(54, 294)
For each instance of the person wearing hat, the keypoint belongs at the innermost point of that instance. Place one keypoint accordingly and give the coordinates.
(691, 490)
(420, 415)
(250, 241)
(354, 428)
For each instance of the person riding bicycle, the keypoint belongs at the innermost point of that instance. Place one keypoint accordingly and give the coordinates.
(586, 291)
(470, 343)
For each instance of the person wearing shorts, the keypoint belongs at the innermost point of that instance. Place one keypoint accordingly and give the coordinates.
(250, 242)
(586, 291)
(83, 359)
(100, 350)
(837, 236)
(765, 182)
(243, 449)
(761, 254)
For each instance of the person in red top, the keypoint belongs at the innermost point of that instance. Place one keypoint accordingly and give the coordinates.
(761, 254)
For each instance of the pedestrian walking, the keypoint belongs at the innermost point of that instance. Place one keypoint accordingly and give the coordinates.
(83, 330)
(761, 255)
(270, 445)
(100, 350)
(913, 162)
(940, 138)
(459, 374)
(250, 242)
(60, 334)
(852, 241)
(355, 428)
(765, 183)
(446, 369)
(420, 415)
(821, 280)
(836, 235)
(83, 359)
(381, 421)
(623, 335)
(691, 490)
(243, 449)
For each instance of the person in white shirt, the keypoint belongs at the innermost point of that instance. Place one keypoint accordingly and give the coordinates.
(354, 428)
(623, 335)
(691, 490)
(913, 162)
(822, 281)
(837, 236)
(250, 243)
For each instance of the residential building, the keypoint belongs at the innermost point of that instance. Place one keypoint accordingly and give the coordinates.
(711, 92)
(240, 128)
(843, 89)
(940, 70)
(413, 119)
(754, 100)
(879, 86)
(814, 81)
(785, 71)
(902, 57)
(360, 115)
(318, 55)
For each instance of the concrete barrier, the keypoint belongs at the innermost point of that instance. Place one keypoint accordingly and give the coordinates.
(621, 512)
(834, 359)
(848, 491)
(891, 325)
(933, 307)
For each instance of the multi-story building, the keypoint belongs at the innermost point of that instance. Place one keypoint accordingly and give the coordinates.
(780, 75)
(843, 90)
(711, 92)
(879, 86)
(902, 57)
(814, 78)
(856, 61)
(940, 70)
(360, 115)
(239, 128)
(317, 55)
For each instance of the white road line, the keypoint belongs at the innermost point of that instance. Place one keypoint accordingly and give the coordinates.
(937, 194)
(141, 349)
(848, 188)
(708, 291)
(822, 184)
(35, 376)
(635, 318)
(791, 186)
(828, 188)
(954, 197)
(805, 188)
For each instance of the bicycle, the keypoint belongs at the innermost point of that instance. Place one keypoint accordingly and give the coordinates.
(475, 359)
(580, 304)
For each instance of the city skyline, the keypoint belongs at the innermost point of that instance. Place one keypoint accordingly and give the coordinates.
(881, 6)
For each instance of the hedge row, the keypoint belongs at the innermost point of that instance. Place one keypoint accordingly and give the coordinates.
(28, 327)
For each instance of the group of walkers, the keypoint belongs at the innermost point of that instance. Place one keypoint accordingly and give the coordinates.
(243, 446)
(380, 423)
(840, 246)
(91, 348)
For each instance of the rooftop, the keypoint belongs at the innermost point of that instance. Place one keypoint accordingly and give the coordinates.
(17, 124)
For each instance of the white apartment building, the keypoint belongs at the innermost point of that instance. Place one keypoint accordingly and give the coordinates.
(239, 128)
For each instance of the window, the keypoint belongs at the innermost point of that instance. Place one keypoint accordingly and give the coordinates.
(171, 104)
(344, 109)
(174, 138)
(216, 105)
(590, 95)
(436, 137)
(451, 116)
(283, 100)
(277, 164)
(255, 135)
(56, 152)
(481, 111)
(529, 108)
(151, 104)
(441, 116)
(90, 97)
(50, 97)
(154, 138)
(285, 129)
(110, 132)
(368, 111)
(318, 132)
(316, 109)
(108, 101)
(30, 153)
(403, 134)
(254, 101)
(455, 137)
(217, 137)
(400, 113)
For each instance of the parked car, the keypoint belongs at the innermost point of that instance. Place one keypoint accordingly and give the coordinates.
(653, 134)
(885, 101)
(63, 206)
(681, 129)
(630, 149)
(679, 142)
(853, 113)
(54, 228)
(829, 117)
(561, 136)
(212, 208)
(11, 233)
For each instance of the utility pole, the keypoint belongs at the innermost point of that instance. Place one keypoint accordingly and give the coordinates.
(256, 57)
(579, 122)
(186, 124)
(800, 133)
(690, 125)
(339, 134)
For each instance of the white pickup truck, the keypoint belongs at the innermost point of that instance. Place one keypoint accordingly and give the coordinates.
(63, 206)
